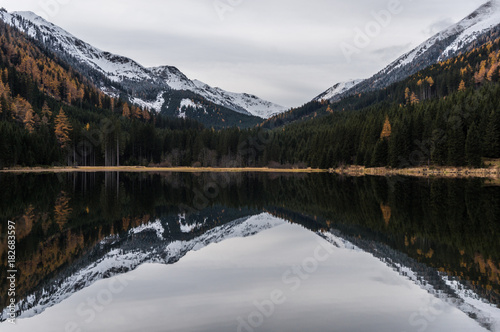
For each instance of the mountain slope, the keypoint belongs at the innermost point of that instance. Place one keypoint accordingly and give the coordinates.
(120, 74)
(460, 37)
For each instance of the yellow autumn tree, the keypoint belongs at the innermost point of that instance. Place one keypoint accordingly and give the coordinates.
(29, 121)
(136, 112)
(126, 111)
(387, 129)
(461, 87)
(46, 110)
(414, 99)
(407, 95)
(492, 71)
(62, 129)
(46, 113)
(62, 210)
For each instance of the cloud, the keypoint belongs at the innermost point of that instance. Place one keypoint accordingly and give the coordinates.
(391, 52)
(438, 26)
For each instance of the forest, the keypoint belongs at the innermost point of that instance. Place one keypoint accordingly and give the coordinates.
(52, 115)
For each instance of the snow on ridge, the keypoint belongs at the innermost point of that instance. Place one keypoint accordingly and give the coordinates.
(468, 29)
(155, 226)
(486, 17)
(115, 67)
(337, 89)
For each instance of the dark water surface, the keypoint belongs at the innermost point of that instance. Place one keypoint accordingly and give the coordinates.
(251, 252)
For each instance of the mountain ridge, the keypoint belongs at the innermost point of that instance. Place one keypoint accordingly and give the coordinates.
(442, 46)
(147, 86)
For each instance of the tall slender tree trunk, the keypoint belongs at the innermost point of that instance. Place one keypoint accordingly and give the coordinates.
(117, 151)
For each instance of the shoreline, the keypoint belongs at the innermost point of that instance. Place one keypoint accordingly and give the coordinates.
(143, 169)
(356, 171)
(491, 173)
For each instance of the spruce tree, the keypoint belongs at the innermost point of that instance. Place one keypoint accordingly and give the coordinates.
(491, 145)
(456, 147)
(473, 147)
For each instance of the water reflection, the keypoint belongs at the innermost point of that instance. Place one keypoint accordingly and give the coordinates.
(76, 229)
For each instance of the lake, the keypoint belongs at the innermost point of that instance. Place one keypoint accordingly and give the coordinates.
(250, 252)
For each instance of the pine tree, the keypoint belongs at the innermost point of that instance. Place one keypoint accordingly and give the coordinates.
(473, 146)
(491, 145)
(456, 147)
(399, 146)
(62, 129)
(380, 153)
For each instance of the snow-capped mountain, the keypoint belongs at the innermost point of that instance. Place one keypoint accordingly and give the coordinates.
(446, 44)
(148, 85)
(144, 244)
(154, 242)
(448, 289)
(337, 89)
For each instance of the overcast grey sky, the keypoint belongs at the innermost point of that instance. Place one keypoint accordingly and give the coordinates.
(286, 51)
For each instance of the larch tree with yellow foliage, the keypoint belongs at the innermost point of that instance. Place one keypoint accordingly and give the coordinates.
(387, 129)
(62, 129)
(461, 87)
(126, 111)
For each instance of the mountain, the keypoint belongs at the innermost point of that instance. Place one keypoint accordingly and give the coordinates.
(148, 243)
(118, 75)
(458, 38)
(154, 242)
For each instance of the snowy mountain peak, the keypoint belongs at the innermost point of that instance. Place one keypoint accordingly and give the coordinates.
(461, 34)
(131, 75)
(484, 18)
(446, 44)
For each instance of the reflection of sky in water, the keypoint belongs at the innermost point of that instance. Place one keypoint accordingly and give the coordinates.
(209, 289)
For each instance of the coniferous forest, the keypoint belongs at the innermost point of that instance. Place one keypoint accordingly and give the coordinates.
(50, 115)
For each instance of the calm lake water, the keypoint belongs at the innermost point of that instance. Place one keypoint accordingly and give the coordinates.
(250, 252)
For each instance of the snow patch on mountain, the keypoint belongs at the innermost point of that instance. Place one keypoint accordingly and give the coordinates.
(154, 226)
(151, 105)
(173, 77)
(189, 103)
(337, 89)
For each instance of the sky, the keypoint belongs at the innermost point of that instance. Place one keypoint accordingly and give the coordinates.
(284, 51)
